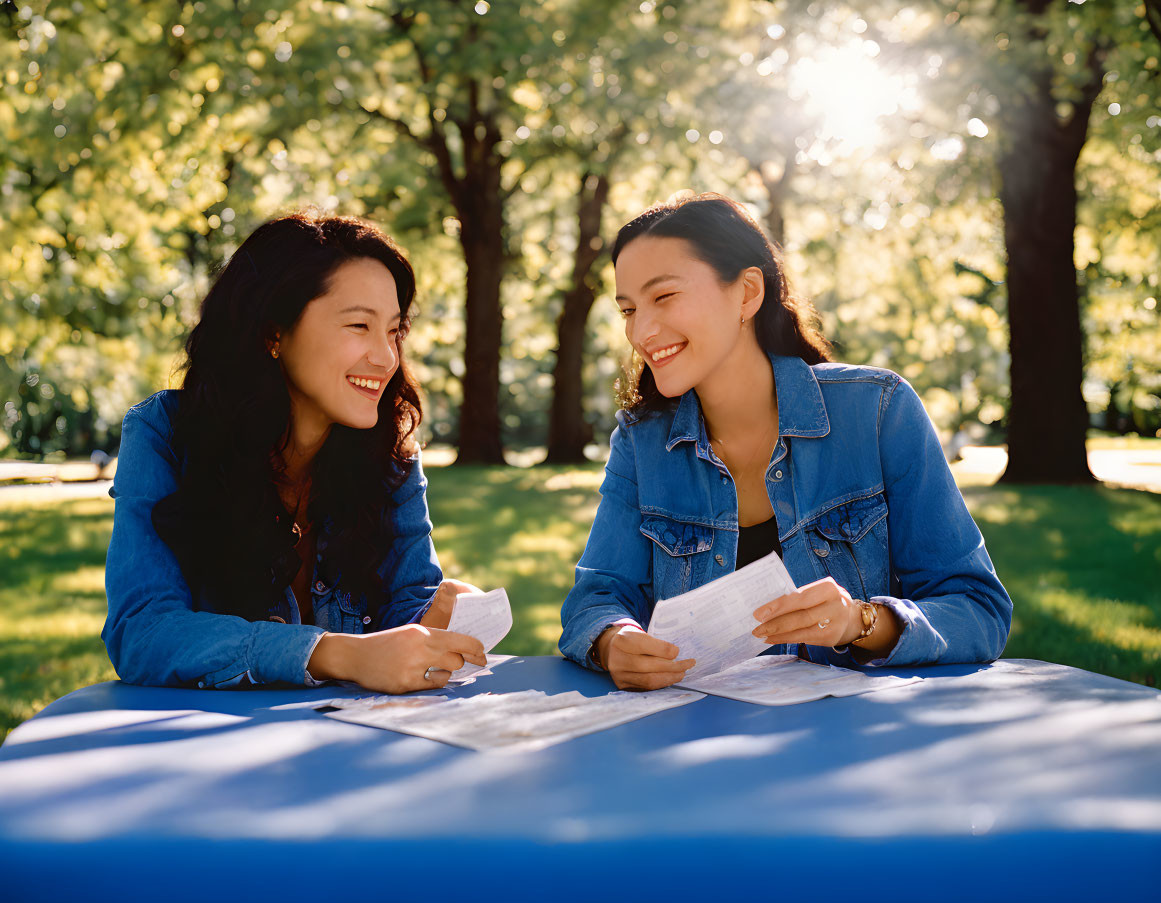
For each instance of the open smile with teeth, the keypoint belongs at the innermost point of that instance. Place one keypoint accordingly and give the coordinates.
(369, 384)
(664, 353)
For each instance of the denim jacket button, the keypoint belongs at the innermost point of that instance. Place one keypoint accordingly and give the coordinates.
(719, 559)
(821, 553)
(366, 619)
(319, 586)
(778, 475)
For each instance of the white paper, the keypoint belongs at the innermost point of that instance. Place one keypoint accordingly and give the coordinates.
(787, 680)
(486, 617)
(522, 721)
(714, 622)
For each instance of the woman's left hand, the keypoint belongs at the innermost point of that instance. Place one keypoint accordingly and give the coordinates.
(818, 614)
(438, 615)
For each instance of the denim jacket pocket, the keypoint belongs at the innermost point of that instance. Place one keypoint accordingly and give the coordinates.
(849, 542)
(675, 543)
(351, 611)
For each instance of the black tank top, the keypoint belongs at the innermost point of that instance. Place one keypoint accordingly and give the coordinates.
(758, 541)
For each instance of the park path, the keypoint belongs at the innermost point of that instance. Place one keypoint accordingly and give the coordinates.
(978, 466)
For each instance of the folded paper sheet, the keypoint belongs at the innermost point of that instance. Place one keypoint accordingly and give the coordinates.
(787, 679)
(485, 616)
(714, 623)
(522, 721)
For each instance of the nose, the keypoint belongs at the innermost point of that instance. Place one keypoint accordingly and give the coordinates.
(641, 327)
(384, 354)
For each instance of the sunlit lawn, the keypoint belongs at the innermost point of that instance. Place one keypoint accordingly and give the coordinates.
(1081, 563)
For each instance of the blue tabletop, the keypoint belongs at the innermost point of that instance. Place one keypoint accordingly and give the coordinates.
(1021, 778)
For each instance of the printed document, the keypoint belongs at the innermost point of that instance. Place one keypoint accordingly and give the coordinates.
(787, 679)
(713, 623)
(522, 721)
(486, 617)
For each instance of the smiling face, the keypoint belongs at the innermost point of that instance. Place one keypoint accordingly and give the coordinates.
(679, 316)
(342, 351)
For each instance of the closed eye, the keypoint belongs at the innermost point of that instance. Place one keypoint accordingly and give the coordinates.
(357, 325)
(666, 295)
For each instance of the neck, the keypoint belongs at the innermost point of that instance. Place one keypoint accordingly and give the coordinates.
(304, 441)
(729, 411)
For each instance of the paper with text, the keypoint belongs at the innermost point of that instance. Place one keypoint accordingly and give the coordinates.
(521, 721)
(787, 680)
(714, 623)
(485, 616)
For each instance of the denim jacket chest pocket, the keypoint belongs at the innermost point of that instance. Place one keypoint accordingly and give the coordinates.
(348, 612)
(678, 547)
(849, 543)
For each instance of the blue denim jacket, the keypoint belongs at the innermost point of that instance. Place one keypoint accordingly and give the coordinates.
(157, 633)
(861, 492)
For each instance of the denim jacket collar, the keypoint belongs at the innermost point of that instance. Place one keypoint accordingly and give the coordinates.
(801, 411)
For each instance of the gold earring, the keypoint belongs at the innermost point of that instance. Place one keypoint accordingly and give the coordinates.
(274, 352)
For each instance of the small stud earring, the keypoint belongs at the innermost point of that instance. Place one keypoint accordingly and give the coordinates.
(743, 321)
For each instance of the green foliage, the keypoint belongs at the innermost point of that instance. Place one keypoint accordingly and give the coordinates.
(140, 142)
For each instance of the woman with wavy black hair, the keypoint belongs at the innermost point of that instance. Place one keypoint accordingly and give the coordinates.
(271, 521)
(738, 438)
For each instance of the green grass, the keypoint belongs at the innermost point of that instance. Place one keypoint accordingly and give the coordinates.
(1081, 563)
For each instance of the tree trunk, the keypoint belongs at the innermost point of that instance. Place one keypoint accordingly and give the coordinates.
(479, 440)
(1047, 419)
(568, 431)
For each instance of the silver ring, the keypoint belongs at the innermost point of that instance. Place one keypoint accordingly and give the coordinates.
(822, 624)
(427, 674)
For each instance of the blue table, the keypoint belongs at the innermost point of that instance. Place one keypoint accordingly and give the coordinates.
(1017, 780)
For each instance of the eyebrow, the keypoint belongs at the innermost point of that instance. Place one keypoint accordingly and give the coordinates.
(364, 310)
(652, 282)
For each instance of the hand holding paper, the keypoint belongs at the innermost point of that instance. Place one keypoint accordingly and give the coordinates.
(485, 616)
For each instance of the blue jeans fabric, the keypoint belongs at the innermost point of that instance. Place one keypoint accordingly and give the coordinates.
(157, 633)
(861, 492)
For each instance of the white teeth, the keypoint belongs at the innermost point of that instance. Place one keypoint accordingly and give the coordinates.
(372, 384)
(666, 352)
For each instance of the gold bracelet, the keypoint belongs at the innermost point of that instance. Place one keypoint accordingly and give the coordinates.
(870, 615)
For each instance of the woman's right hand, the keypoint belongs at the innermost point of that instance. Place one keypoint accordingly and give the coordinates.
(395, 660)
(637, 661)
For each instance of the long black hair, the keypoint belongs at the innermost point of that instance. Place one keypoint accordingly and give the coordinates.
(720, 233)
(226, 522)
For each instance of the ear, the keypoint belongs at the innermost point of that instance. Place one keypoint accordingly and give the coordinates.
(753, 284)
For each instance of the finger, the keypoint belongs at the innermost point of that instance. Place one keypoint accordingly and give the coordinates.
(449, 661)
(803, 597)
(467, 646)
(800, 619)
(438, 680)
(650, 680)
(648, 663)
(636, 642)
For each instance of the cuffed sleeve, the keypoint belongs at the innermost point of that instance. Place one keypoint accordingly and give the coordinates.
(951, 605)
(152, 632)
(410, 571)
(614, 575)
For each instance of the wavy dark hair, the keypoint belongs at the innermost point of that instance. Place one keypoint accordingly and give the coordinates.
(226, 523)
(722, 234)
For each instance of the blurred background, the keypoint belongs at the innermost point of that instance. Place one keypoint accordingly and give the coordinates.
(970, 193)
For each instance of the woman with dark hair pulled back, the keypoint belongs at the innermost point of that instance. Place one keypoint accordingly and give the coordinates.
(271, 522)
(738, 438)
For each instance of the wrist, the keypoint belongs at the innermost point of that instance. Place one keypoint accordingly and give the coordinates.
(600, 649)
(333, 658)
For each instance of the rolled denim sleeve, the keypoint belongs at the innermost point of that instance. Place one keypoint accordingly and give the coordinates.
(614, 575)
(152, 632)
(953, 607)
(410, 571)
